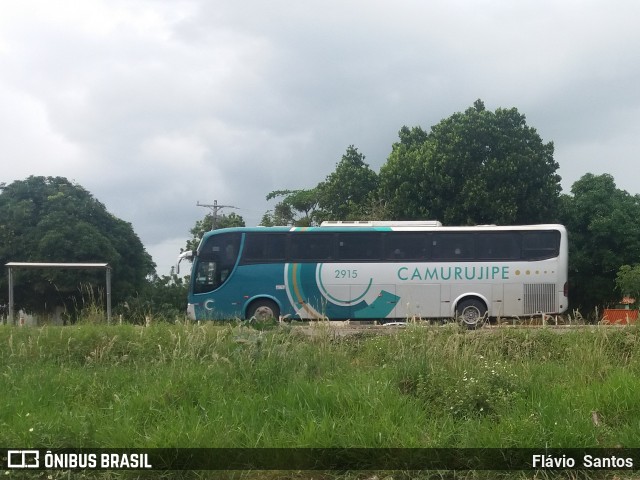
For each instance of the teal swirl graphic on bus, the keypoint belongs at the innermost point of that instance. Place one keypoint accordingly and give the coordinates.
(311, 297)
(349, 300)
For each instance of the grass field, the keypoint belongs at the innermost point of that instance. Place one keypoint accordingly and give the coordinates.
(233, 386)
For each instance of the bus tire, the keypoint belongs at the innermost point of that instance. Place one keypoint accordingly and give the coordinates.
(471, 313)
(263, 310)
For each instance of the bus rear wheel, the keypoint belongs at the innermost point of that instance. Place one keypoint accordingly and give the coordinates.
(471, 313)
(263, 310)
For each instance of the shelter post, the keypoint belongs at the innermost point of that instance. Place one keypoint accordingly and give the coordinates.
(108, 281)
(11, 304)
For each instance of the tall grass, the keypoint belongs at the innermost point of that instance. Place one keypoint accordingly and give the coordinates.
(215, 385)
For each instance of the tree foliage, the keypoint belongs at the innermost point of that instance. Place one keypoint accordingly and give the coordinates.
(163, 298)
(347, 193)
(50, 219)
(628, 281)
(472, 168)
(604, 235)
(297, 207)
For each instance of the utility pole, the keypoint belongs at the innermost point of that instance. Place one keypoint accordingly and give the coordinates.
(215, 208)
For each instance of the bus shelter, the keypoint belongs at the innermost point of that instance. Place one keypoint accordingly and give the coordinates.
(79, 266)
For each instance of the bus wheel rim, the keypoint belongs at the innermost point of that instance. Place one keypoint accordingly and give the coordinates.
(264, 313)
(471, 315)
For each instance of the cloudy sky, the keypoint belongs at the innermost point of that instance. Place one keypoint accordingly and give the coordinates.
(155, 105)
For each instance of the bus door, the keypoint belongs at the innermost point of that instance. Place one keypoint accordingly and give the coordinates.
(446, 309)
(513, 293)
(497, 304)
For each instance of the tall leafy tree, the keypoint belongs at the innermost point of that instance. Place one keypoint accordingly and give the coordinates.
(296, 207)
(604, 235)
(406, 177)
(50, 219)
(348, 192)
(471, 168)
(628, 281)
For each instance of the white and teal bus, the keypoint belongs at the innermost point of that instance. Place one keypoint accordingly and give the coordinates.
(380, 270)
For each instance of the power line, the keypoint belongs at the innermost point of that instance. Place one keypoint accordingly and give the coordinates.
(215, 208)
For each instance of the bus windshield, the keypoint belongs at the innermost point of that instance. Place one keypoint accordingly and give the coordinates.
(215, 261)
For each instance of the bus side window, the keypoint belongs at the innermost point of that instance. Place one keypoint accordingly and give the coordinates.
(452, 246)
(406, 246)
(359, 246)
(264, 248)
(310, 247)
(277, 247)
(538, 245)
(497, 246)
(254, 248)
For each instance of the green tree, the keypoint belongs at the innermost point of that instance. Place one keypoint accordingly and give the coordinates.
(348, 192)
(205, 225)
(604, 234)
(472, 168)
(406, 176)
(163, 298)
(297, 207)
(50, 219)
(628, 281)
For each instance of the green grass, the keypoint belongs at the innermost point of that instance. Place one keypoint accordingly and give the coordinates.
(217, 385)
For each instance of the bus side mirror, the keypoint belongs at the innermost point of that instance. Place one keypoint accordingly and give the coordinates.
(189, 254)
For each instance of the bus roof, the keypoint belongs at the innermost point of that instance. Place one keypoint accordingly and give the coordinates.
(381, 223)
(406, 226)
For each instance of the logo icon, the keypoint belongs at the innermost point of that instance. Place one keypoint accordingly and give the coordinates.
(23, 459)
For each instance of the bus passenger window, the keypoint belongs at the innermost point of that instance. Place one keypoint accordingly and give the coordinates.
(453, 246)
(406, 246)
(311, 247)
(498, 246)
(359, 246)
(264, 248)
(538, 245)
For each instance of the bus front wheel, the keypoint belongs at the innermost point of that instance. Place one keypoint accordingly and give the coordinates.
(471, 313)
(263, 310)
